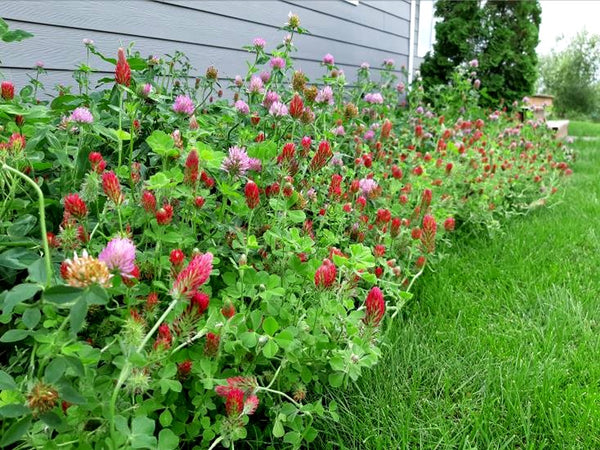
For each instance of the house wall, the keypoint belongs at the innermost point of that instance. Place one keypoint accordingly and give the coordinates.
(209, 32)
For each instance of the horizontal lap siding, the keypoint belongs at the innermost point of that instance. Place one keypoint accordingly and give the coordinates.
(208, 32)
(361, 14)
(274, 14)
(397, 8)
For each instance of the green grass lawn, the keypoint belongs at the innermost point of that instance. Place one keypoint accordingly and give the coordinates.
(577, 128)
(501, 346)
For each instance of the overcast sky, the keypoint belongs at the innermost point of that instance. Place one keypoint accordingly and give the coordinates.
(566, 18)
(559, 18)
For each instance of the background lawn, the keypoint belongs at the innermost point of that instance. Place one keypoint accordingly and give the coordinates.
(501, 346)
(577, 128)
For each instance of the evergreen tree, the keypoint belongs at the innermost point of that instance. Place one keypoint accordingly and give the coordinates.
(501, 34)
(456, 37)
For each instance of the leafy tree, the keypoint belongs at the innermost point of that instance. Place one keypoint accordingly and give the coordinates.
(502, 35)
(572, 76)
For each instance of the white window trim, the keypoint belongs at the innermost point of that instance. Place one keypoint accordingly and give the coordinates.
(353, 2)
(411, 40)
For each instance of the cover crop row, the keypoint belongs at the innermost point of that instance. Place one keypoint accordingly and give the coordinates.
(186, 269)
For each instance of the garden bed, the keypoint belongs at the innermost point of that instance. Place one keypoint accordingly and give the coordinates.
(182, 270)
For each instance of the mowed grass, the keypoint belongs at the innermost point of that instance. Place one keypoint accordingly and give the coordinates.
(500, 348)
(577, 128)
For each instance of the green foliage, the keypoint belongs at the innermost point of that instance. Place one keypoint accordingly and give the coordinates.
(572, 77)
(500, 35)
(577, 128)
(8, 35)
(189, 296)
(502, 348)
(456, 40)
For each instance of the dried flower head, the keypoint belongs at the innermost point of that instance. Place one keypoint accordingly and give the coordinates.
(310, 93)
(298, 81)
(84, 271)
(42, 398)
(293, 20)
(350, 111)
(212, 73)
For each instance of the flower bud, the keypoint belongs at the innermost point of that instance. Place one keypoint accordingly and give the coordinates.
(7, 89)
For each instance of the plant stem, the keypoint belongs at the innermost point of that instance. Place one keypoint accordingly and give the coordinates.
(157, 249)
(77, 170)
(231, 130)
(107, 346)
(9, 198)
(283, 394)
(131, 130)
(415, 279)
(197, 336)
(275, 376)
(120, 219)
(35, 85)
(215, 443)
(113, 398)
(126, 367)
(120, 141)
(242, 271)
(160, 320)
(42, 212)
(32, 360)
(94, 230)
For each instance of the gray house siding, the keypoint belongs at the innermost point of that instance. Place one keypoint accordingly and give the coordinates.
(208, 32)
